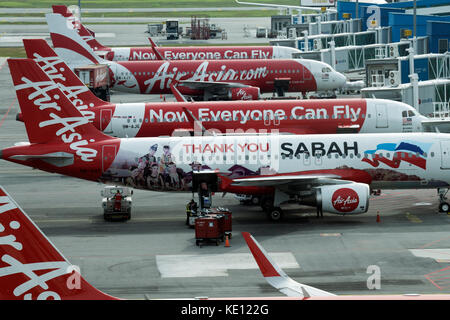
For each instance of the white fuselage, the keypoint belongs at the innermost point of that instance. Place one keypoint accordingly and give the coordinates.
(400, 160)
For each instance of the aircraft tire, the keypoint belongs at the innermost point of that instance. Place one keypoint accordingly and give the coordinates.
(444, 207)
(275, 214)
(255, 200)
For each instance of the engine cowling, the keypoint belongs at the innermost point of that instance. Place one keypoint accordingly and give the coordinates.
(352, 198)
(247, 93)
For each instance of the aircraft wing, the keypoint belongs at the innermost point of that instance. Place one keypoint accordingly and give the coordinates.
(305, 180)
(276, 277)
(436, 125)
(210, 85)
(59, 159)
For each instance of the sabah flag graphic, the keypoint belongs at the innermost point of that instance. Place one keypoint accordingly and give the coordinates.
(392, 154)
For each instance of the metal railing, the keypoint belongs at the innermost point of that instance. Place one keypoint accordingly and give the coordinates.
(441, 109)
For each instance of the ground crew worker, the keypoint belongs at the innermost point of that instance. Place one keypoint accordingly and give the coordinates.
(204, 195)
(118, 201)
(191, 208)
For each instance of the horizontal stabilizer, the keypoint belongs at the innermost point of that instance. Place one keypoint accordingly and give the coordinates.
(58, 159)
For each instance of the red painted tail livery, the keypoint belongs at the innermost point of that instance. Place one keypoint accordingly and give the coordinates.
(62, 140)
(85, 33)
(45, 119)
(58, 71)
(30, 266)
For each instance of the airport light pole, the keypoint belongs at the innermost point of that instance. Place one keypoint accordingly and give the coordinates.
(79, 8)
(414, 77)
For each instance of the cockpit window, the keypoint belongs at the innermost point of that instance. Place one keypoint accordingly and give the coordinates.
(326, 69)
(411, 113)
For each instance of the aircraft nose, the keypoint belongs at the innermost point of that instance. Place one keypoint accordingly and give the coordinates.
(341, 80)
(420, 120)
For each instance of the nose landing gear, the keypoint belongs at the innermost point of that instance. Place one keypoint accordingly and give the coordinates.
(443, 205)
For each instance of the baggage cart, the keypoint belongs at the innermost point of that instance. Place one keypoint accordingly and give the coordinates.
(208, 229)
(227, 223)
(97, 78)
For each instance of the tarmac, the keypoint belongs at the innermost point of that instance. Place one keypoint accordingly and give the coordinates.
(154, 253)
(111, 34)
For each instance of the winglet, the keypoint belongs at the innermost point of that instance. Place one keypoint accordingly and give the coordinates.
(152, 43)
(276, 277)
(158, 54)
(31, 267)
(177, 94)
(266, 265)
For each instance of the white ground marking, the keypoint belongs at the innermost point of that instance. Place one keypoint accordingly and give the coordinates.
(215, 265)
(440, 255)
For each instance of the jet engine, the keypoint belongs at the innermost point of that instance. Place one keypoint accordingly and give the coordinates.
(352, 198)
(246, 93)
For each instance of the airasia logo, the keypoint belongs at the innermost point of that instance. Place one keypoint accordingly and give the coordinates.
(345, 200)
(242, 95)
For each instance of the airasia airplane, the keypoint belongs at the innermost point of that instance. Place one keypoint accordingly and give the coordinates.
(164, 119)
(210, 79)
(174, 53)
(331, 172)
(32, 268)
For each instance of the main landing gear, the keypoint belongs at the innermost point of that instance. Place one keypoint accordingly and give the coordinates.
(274, 212)
(443, 204)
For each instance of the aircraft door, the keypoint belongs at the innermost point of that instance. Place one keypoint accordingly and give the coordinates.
(306, 159)
(382, 119)
(105, 119)
(108, 155)
(445, 154)
(307, 74)
(318, 158)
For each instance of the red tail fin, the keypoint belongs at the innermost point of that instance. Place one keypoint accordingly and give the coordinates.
(68, 44)
(48, 114)
(59, 72)
(31, 267)
(85, 33)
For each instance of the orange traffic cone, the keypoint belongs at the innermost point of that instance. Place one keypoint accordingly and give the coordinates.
(378, 216)
(227, 242)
